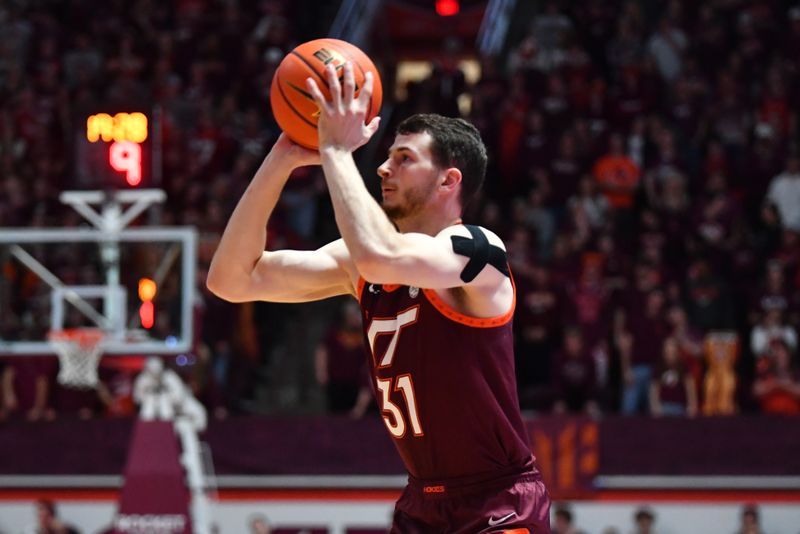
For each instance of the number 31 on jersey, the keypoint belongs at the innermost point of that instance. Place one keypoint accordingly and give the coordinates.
(391, 413)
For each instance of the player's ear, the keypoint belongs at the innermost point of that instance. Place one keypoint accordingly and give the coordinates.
(451, 178)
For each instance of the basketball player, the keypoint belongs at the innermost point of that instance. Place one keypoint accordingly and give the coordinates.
(436, 299)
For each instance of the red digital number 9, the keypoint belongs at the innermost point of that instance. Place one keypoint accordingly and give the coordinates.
(126, 156)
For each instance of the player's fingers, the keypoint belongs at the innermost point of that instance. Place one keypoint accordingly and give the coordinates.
(349, 83)
(373, 126)
(317, 95)
(366, 91)
(334, 86)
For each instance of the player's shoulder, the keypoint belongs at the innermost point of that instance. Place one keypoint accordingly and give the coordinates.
(469, 231)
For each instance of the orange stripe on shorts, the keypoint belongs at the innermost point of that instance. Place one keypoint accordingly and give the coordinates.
(517, 531)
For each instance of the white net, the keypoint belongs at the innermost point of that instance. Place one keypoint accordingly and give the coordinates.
(79, 351)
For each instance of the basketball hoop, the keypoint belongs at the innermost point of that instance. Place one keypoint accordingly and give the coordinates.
(79, 351)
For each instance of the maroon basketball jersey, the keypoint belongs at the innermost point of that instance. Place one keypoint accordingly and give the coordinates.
(445, 384)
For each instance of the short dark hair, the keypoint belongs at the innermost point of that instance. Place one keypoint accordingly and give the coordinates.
(48, 505)
(456, 143)
(564, 513)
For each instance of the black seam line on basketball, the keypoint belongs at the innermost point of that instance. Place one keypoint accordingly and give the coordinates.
(311, 67)
(363, 75)
(301, 91)
(294, 109)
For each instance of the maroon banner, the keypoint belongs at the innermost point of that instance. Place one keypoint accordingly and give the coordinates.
(567, 451)
(154, 498)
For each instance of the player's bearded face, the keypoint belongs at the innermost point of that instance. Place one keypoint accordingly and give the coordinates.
(408, 176)
(410, 199)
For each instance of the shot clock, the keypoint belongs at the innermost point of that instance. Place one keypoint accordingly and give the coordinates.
(117, 151)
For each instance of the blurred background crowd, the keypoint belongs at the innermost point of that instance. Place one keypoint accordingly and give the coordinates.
(644, 174)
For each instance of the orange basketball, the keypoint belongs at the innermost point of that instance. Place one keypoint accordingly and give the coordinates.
(292, 104)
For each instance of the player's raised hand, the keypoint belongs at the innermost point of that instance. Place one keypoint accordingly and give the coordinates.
(293, 154)
(341, 120)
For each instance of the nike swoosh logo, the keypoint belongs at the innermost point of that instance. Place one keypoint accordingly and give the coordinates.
(493, 521)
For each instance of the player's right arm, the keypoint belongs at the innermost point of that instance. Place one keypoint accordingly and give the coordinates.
(241, 270)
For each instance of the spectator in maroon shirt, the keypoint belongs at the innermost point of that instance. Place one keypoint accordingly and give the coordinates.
(773, 293)
(775, 107)
(689, 341)
(728, 118)
(520, 249)
(589, 203)
(534, 148)
(340, 361)
(626, 48)
(574, 376)
(766, 232)
(27, 387)
(684, 109)
(665, 161)
(709, 37)
(555, 105)
(599, 108)
(792, 40)
(565, 171)
(673, 392)
(777, 386)
(589, 301)
(537, 326)
(716, 219)
(646, 278)
(708, 299)
(789, 254)
(673, 208)
(629, 99)
(83, 403)
(540, 220)
(640, 345)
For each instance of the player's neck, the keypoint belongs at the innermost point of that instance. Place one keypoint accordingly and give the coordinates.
(427, 223)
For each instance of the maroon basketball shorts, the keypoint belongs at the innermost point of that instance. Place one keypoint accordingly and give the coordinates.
(517, 504)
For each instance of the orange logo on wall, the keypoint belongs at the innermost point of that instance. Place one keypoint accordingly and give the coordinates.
(567, 452)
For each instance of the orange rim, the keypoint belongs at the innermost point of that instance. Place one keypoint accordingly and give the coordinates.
(82, 336)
